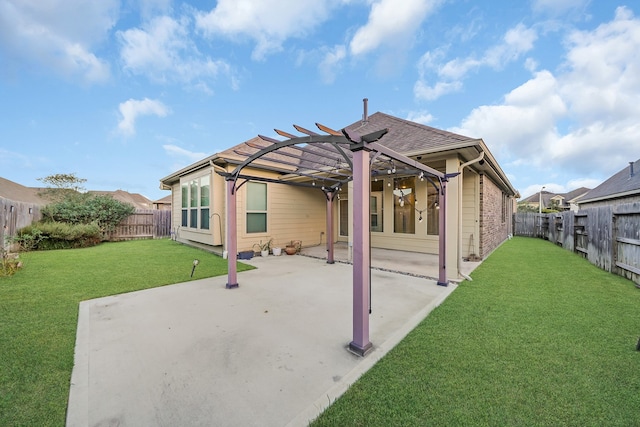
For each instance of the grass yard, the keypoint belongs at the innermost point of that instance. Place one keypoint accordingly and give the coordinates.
(39, 314)
(540, 337)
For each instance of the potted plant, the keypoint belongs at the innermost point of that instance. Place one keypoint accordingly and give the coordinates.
(264, 248)
(293, 247)
(276, 250)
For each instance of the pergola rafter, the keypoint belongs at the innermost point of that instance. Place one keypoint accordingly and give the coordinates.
(319, 151)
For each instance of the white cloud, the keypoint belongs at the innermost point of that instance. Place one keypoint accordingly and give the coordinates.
(448, 75)
(558, 7)
(391, 23)
(331, 64)
(422, 117)
(163, 51)
(524, 123)
(57, 34)
(179, 152)
(423, 91)
(132, 108)
(267, 22)
(584, 119)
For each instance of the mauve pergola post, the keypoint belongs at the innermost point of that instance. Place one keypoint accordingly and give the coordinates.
(232, 236)
(361, 260)
(330, 196)
(442, 234)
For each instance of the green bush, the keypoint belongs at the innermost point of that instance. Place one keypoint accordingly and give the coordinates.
(102, 210)
(58, 235)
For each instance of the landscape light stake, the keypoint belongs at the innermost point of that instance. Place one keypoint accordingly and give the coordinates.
(195, 263)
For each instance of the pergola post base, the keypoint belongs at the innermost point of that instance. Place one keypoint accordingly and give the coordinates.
(231, 285)
(443, 283)
(358, 350)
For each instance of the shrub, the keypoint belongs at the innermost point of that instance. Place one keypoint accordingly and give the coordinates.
(101, 210)
(9, 263)
(58, 235)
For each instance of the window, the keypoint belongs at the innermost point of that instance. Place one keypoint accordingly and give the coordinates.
(204, 202)
(433, 211)
(376, 206)
(185, 204)
(196, 196)
(343, 204)
(256, 207)
(404, 201)
(504, 207)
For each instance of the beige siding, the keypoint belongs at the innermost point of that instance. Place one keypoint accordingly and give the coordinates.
(293, 213)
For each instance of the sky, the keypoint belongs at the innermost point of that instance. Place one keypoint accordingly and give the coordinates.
(125, 92)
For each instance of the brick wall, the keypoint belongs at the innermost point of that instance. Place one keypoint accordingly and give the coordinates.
(495, 220)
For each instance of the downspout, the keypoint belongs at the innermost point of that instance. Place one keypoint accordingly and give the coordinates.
(460, 188)
(222, 236)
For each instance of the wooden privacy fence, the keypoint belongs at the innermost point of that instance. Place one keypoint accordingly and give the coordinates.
(14, 216)
(143, 224)
(608, 236)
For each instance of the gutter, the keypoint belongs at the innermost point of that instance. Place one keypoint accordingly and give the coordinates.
(460, 187)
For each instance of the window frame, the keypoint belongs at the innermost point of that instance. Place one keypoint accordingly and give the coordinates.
(257, 207)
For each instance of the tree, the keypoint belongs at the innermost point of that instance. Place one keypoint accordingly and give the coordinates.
(72, 205)
(61, 186)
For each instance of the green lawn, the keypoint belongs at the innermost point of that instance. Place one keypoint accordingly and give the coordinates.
(39, 314)
(540, 337)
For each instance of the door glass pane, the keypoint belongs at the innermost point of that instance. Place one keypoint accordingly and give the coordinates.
(404, 200)
(344, 217)
(433, 211)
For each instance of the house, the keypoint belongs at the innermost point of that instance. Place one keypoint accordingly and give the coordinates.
(621, 188)
(404, 203)
(136, 200)
(163, 204)
(556, 201)
(13, 191)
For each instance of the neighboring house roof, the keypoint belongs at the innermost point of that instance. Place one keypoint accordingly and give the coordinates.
(166, 200)
(565, 198)
(575, 195)
(19, 193)
(138, 201)
(624, 183)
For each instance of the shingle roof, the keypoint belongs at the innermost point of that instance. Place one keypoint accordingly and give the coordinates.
(619, 185)
(409, 137)
(138, 201)
(19, 193)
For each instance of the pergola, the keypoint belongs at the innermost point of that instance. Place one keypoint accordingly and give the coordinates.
(333, 159)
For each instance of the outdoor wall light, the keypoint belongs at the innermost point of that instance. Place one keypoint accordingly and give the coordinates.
(195, 263)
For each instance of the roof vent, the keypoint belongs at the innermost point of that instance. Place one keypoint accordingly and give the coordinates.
(365, 114)
(630, 169)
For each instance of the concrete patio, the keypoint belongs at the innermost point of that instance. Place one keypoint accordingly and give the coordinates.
(270, 353)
